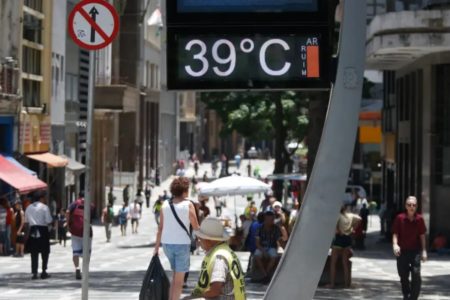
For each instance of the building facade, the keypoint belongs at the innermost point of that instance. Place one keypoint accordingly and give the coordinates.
(411, 44)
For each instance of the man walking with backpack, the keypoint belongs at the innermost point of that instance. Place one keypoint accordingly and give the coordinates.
(107, 220)
(74, 215)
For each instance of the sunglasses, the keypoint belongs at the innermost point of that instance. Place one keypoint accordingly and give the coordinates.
(411, 205)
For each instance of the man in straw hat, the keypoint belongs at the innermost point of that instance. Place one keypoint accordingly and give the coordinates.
(221, 276)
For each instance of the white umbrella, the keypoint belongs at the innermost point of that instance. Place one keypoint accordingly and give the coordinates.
(232, 186)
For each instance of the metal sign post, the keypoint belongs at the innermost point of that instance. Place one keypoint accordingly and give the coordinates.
(298, 273)
(93, 25)
(88, 186)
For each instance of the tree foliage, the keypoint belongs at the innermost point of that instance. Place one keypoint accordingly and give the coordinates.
(254, 114)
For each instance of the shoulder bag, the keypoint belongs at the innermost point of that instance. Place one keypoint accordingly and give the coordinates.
(189, 233)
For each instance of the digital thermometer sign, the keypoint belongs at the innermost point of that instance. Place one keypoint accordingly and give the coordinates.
(246, 61)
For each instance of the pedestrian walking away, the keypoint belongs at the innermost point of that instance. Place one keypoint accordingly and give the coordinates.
(148, 194)
(107, 220)
(38, 218)
(124, 216)
(140, 199)
(135, 214)
(126, 194)
(75, 217)
(111, 197)
(177, 215)
(409, 246)
(62, 226)
(157, 209)
(19, 217)
(217, 206)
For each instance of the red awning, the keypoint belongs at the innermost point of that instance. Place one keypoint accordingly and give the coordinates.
(18, 178)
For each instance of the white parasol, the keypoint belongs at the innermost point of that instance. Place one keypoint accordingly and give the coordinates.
(233, 186)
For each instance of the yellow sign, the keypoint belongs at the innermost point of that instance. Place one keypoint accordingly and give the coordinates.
(35, 133)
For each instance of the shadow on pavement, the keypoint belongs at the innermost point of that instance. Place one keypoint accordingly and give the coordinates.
(136, 246)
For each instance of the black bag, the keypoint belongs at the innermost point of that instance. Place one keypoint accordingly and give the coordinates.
(156, 285)
(189, 233)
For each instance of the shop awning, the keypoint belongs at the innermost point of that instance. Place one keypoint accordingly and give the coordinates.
(18, 164)
(52, 160)
(73, 165)
(18, 178)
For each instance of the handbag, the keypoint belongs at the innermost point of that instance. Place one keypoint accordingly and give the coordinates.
(189, 233)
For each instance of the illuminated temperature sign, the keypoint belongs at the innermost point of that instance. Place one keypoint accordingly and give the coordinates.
(246, 61)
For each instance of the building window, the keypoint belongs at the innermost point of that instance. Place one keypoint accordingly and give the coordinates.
(31, 93)
(34, 4)
(31, 61)
(71, 87)
(32, 28)
(442, 125)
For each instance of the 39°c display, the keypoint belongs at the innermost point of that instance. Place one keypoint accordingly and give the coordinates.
(245, 61)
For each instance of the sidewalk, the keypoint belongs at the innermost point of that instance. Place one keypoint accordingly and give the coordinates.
(118, 268)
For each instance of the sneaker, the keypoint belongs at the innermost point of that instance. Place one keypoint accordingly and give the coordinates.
(45, 275)
(78, 274)
(34, 276)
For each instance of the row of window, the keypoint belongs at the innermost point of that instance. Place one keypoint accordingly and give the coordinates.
(151, 76)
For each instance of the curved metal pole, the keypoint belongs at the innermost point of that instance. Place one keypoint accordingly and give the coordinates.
(299, 271)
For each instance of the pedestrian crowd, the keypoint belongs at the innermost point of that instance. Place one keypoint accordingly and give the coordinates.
(185, 224)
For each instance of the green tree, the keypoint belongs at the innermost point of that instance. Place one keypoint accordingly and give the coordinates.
(281, 116)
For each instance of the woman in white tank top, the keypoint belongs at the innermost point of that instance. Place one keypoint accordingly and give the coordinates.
(174, 239)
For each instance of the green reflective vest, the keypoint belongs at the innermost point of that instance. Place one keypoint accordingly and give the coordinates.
(234, 265)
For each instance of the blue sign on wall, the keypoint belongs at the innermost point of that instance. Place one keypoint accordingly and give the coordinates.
(223, 6)
(6, 135)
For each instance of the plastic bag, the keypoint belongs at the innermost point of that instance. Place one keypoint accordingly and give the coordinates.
(156, 284)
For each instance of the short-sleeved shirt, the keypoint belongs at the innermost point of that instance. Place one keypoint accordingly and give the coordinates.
(135, 210)
(221, 273)
(269, 238)
(409, 232)
(38, 214)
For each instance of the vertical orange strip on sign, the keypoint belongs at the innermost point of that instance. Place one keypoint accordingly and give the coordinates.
(312, 61)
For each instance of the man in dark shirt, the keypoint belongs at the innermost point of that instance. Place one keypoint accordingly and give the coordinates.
(267, 238)
(408, 242)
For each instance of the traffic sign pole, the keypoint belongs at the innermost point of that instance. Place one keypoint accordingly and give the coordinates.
(88, 186)
(93, 25)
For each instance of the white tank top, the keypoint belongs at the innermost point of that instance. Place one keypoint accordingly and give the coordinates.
(172, 232)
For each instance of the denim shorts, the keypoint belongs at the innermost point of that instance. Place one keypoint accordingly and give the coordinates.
(179, 256)
(269, 252)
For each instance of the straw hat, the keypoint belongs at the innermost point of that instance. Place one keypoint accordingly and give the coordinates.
(277, 203)
(212, 229)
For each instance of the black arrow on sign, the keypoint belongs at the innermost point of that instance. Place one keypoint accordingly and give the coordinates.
(93, 12)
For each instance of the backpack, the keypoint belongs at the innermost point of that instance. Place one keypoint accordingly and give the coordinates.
(76, 219)
(109, 217)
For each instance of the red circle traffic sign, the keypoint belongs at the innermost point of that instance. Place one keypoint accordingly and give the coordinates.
(91, 33)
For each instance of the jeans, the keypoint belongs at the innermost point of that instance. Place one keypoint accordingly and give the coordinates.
(8, 240)
(409, 262)
(108, 227)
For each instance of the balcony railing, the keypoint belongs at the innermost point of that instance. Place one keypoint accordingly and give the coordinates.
(9, 77)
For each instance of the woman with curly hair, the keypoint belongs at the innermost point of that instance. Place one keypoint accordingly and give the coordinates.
(173, 236)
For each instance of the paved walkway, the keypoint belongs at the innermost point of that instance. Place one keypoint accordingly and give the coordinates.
(117, 268)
